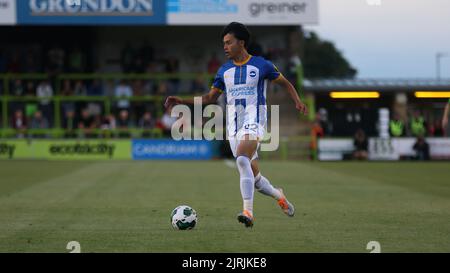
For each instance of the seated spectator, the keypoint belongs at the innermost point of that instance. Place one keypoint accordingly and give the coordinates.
(95, 89)
(67, 106)
(422, 149)
(30, 90)
(109, 122)
(18, 88)
(361, 145)
(69, 124)
(39, 122)
(123, 123)
(80, 88)
(146, 123)
(123, 90)
(86, 124)
(45, 92)
(19, 123)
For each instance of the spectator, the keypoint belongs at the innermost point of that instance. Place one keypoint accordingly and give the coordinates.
(361, 145)
(95, 89)
(417, 125)
(326, 125)
(86, 123)
(19, 123)
(30, 90)
(69, 124)
(422, 149)
(67, 106)
(123, 90)
(163, 88)
(39, 122)
(44, 92)
(146, 123)
(80, 88)
(396, 127)
(18, 88)
(124, 124)
(138, 91)
(109, 122)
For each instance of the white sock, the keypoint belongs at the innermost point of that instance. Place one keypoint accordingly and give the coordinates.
(263, 185)
(247, 181)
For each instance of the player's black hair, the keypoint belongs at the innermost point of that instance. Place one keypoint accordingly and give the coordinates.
(240, 31)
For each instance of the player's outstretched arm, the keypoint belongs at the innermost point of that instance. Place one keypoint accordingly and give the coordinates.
(211, 97)
(284, 83)
(445, 116)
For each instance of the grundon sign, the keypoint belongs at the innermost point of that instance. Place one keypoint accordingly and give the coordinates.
(88, 12)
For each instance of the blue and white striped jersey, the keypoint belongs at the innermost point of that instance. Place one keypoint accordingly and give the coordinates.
(245, 86)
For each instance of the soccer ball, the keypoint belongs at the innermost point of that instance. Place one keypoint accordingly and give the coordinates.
(183, 217)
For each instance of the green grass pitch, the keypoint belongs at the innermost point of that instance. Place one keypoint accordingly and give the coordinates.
(126, 206)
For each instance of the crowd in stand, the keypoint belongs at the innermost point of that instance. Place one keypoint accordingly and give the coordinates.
(89, 114)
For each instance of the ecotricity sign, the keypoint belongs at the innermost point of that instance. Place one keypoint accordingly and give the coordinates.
(7, 12)
(90, 12)
(252, 12)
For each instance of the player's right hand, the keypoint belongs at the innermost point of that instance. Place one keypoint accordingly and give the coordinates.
(301, 107)
(171, 100)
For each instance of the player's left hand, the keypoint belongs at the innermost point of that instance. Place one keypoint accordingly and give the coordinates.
(301, 107)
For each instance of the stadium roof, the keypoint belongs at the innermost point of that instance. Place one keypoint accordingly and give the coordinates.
(381, 85)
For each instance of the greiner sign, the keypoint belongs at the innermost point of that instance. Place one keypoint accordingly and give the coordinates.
(251, 12)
